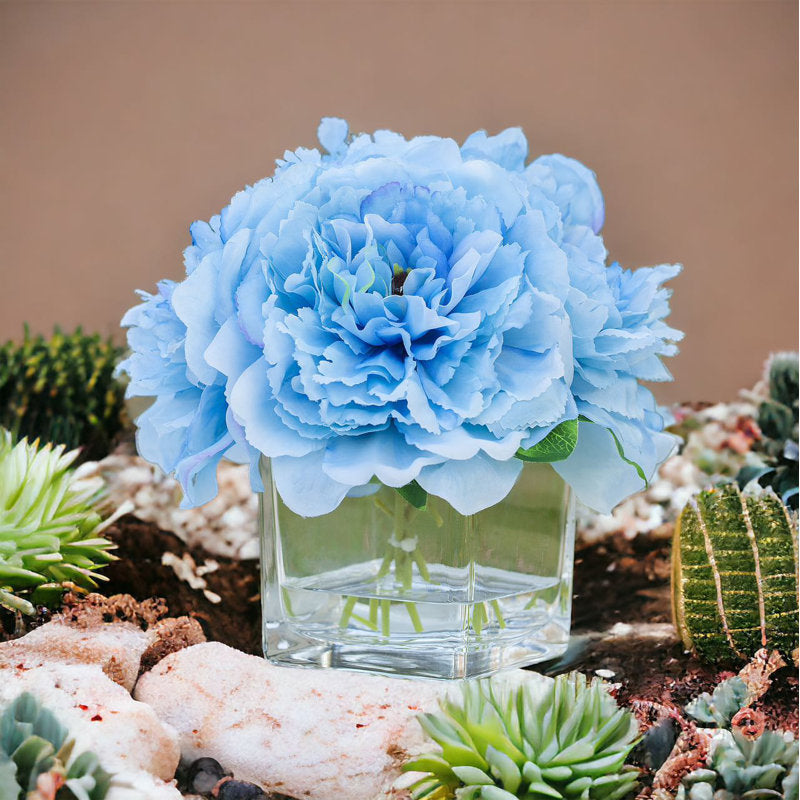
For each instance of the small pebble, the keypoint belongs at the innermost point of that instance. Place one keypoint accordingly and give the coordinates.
(240, 790)
(204, 774)
(608, 674)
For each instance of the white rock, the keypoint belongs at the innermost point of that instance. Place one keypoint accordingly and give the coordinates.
(116, 649)
(101, 716)
(316, 734)
(142, 786)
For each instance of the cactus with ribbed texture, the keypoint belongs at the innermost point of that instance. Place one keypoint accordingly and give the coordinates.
(36, 758)
(561, 738)
(734, 575)
(774, 460)
(62, 390)
(50, 525)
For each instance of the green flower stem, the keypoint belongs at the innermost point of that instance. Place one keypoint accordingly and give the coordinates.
(347, 611)
(498, 613)
(386, 607)
(403, 553)
(478, 618)
(414, 614)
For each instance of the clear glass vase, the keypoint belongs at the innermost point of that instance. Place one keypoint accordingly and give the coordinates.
(381, 586)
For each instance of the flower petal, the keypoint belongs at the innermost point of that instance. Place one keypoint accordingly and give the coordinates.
(473, 485)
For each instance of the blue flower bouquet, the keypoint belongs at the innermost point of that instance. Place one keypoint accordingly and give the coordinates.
(422, 353)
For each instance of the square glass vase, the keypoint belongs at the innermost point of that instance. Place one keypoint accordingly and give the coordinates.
(379, 585)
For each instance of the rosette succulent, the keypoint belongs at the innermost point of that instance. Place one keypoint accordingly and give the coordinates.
(406, 310)
(50, 525)
(37, 760)
(560, 738)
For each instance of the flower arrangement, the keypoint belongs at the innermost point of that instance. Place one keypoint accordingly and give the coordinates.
(410, 311)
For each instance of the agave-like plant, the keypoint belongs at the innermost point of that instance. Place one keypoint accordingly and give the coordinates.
(36, 758)
(50, 525)
(561, 738)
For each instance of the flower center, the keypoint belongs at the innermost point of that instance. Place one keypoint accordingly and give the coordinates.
(399, 276)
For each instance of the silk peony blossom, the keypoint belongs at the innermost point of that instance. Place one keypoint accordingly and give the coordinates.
(405, 310)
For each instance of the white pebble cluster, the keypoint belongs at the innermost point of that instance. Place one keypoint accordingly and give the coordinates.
(226, 526)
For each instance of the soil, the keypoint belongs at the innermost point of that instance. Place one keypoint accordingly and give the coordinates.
(235, 620)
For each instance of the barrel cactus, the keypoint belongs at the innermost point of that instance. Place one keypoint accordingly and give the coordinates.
(561, 738)
(50, 525)
(62, 390)
(734, 575)
(36, 758)
(774, 460)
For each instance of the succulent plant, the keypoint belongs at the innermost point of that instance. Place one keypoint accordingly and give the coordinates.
(734, 575)
(49, 525)
(742, 768)
(745, 761)
(564, 738)
(774, 459)
(720, 707)
(62, 390)
(36, 758)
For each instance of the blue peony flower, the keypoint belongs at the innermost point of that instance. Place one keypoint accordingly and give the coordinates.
(406, 310)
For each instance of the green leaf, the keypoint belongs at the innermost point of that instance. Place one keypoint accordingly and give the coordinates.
(556, 446)
(414, 494)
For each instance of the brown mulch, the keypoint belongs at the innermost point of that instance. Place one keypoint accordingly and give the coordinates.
(235, 620)
(627, 581)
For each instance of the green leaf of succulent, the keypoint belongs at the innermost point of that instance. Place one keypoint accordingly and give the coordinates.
(527, 742)
(9, 788)
(504, 769)
(556, 446)
(720, 707)
(472, 776)
(49, 525)
(496, 793)
(414, 494)
(741, 768)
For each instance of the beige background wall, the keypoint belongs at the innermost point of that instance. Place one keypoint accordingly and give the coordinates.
(121, 122)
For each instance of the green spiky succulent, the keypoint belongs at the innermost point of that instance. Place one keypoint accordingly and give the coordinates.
(36, 758)
(49, 526)
(734, 575)
(773, 461)
(62, 390)
(562, 738)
